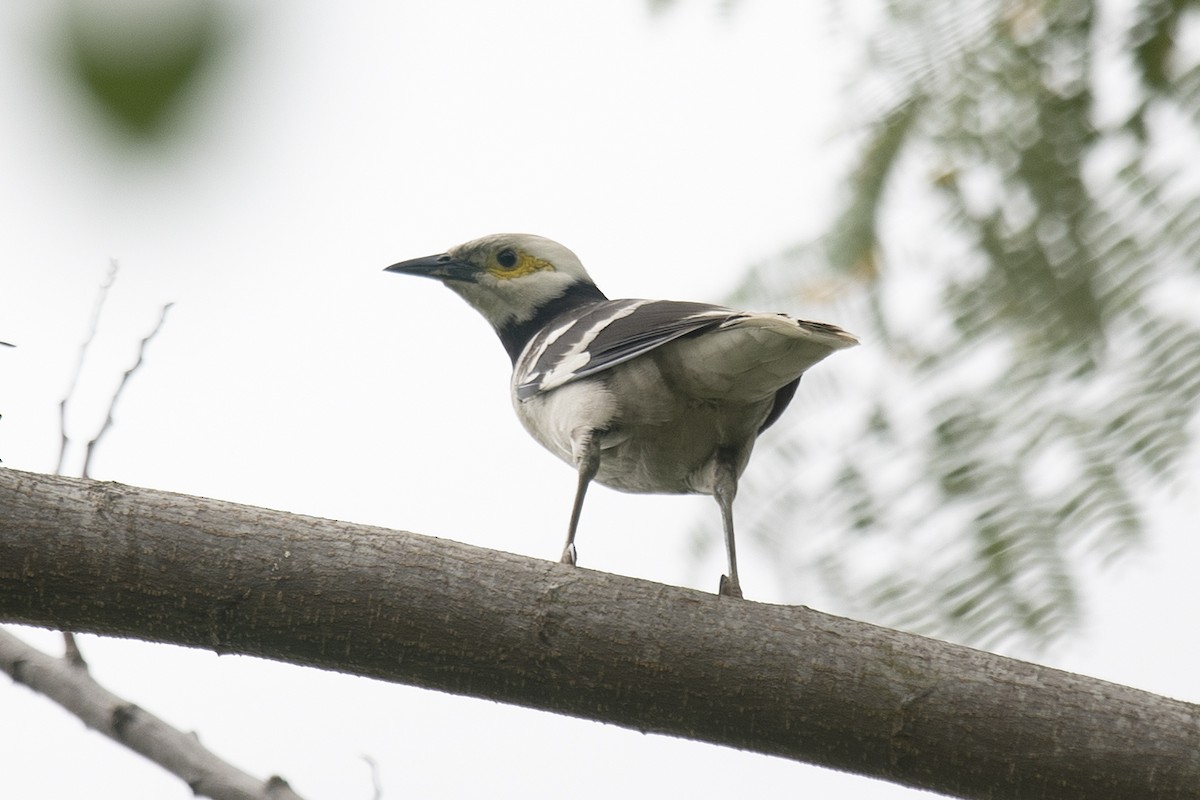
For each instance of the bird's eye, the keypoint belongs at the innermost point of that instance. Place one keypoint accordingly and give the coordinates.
(507, 258)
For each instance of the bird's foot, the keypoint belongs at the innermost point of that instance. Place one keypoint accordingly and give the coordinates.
(730, 587)
(568, 555)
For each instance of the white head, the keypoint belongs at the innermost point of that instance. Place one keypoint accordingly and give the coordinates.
(507, 277)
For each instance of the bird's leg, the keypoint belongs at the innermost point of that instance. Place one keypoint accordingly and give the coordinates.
(724, 490)
(587, 459)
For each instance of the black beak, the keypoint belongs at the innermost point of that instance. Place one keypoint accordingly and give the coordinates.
(443, 267)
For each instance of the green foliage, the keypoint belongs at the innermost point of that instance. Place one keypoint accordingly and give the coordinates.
(1020, 242)
(137, 61)
(1152, 40)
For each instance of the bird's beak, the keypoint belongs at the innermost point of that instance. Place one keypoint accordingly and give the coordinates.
(443, 267)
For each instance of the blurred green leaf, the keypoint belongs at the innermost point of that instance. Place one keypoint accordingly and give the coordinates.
(138, 60)
(853, 237)
(1152, 39)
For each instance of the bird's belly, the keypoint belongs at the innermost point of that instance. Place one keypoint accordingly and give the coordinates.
(653, 439)
(670, 458)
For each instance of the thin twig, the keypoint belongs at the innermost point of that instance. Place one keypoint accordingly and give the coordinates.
(97, 307)
(71, 652)
(108, 419)
(374, 765)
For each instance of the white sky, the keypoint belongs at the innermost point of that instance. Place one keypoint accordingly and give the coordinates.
(335, 139)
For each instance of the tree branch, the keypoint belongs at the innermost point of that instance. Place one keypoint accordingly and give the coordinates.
(122, 721)
(786, 681)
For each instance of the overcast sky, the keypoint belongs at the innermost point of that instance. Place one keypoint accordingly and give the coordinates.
(668, 151)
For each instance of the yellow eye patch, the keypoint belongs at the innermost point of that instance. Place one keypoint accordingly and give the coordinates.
(509, 264)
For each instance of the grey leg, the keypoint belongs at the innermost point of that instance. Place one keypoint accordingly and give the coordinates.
(724, 490)
(587, 459)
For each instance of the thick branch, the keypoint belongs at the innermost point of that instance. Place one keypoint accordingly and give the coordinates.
(787, 681)
(74, 689)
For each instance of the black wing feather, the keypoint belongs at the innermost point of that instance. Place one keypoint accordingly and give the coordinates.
(611, 334)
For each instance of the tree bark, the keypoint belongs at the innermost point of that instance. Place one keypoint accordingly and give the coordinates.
(782, 680)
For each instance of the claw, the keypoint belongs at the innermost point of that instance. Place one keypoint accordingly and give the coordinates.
(568, 555)
(730, 588)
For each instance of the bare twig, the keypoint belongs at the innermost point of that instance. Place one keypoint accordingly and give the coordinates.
(375, 782)
(71, 652)
(97, 307)
(108, 419)
(178, 752)
(5, 344)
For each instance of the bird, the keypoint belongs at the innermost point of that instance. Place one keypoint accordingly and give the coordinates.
(643, 396)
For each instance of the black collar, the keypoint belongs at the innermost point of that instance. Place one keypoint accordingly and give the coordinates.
(515, 335)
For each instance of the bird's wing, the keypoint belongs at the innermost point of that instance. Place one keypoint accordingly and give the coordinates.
(741, 356)
(750, 356)
(605, 334)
